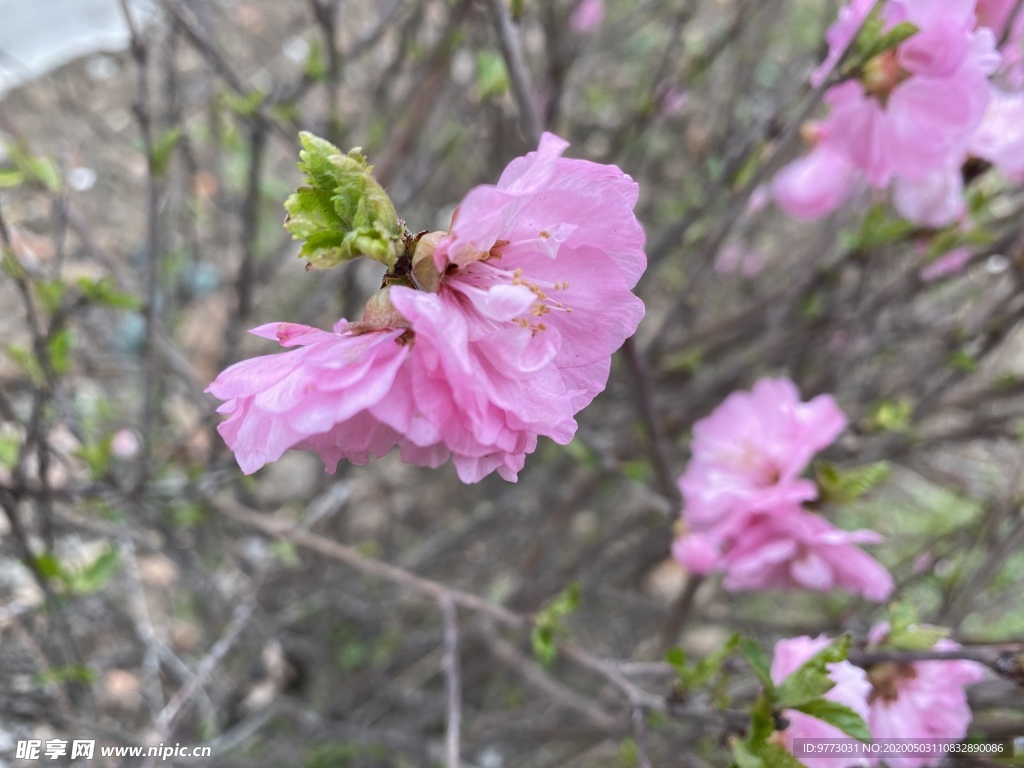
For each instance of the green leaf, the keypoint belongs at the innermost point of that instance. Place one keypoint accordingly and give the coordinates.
(344, 212)
(873, 39)
(891, 415)
(316, 66)
(548, 623)
(700, 673)
(906, 634)
(93, 577)
(876, 230)
(11, 178)
(104, 292)
(777, 756)
(838, 715)
(758, 661)
(27, 361)
(962, 361)
(97, 456)
(491, 76)
(50, 293)
(163, 149)
(811, 679)
(45, 171)
(743, 757)
(844, 486)
(762, 722)
(58, 349)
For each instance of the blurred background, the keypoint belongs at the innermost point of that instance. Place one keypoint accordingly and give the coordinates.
(141, 192)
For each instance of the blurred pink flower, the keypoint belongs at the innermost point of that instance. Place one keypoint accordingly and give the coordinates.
(790, 548)
(587, 16)
(124, 444)
(936, 201)
(737, 256)
(910, 116)
(814, 185)
(1000, 137)
(947, 264)
(749, 453)
(533, 299)
(920, 700)
(742, 492)
(851, 688)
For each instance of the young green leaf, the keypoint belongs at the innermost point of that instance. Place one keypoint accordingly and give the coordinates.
(839, 715)
(344, 212)
(811, 679)
(839, 486)
(758, 661)
(548, 623)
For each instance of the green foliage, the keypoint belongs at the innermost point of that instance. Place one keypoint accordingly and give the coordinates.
(97, 456)
(50, 293)
(104, 293)
(891, 415)
(32, 169)
(905, 633)
(811, 679)
(28, 362)
(548, 623)
(876, 230)
(873, 39)
(491, 76)
(801, 690)
(697, 675)
(344, 212)
(839, 486)
(83, 580)
(70, 674)
(838, 715)
(163, 150)
(758, 661)
(58, 349)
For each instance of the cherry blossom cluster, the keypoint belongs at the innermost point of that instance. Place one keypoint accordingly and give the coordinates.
(914, 700)
(912, 115)
(483, 339)
(743, 499)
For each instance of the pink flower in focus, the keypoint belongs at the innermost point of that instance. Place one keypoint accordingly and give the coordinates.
(587, 16)
(790, 548)
(851, 688)
(920, 700)
(532, 298)
(749, 453)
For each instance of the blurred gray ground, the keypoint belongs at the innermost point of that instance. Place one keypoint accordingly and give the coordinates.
(39, 35)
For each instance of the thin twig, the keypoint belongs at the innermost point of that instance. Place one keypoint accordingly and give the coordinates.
(453, 684)
(519, 75)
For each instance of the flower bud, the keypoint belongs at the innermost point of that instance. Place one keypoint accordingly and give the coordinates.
(381, 313)
(424, 270)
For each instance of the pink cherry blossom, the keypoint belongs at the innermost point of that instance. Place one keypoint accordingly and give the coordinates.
(909, 116)
(742, 492)
(851, 688)
(814, 185)
(1000, 137)
(533, 297)
(748, 455)
(791, 548)
(920, 700)
(937, 200)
